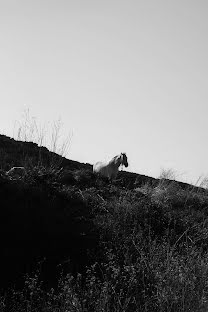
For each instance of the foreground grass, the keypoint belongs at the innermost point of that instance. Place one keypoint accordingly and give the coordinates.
(151, 256)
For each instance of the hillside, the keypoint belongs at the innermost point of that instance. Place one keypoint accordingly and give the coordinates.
(28, 154)
(137, 244)
(18, 153)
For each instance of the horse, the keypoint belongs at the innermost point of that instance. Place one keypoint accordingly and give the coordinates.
(110, 169)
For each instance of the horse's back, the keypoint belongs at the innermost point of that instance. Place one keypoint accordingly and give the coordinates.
(101, 169)
(97, 166)
(104, 170)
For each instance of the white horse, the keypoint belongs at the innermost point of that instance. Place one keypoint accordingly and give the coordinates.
(110, 169)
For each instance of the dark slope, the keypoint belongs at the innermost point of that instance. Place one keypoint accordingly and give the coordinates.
(19, 153)
(55, 215)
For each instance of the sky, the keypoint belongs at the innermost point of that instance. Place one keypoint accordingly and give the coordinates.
(122, 76)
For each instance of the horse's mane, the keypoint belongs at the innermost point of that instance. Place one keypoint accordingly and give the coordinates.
(113, 159)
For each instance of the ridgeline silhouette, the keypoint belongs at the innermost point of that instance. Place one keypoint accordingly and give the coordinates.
(144, 236)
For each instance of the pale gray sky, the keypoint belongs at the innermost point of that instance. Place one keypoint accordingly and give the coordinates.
(122, 75)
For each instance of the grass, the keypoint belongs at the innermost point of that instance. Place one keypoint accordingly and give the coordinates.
(142, 249)
(29, 129)
(152, 254)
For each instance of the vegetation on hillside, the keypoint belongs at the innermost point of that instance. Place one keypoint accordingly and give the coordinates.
(72, 241)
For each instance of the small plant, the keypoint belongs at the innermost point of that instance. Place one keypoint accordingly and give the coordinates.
(169, 174)
(30, 130)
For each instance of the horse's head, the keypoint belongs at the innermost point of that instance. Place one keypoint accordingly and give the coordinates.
(124, 160)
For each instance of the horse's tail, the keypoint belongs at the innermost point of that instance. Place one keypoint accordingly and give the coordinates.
(95, 168)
